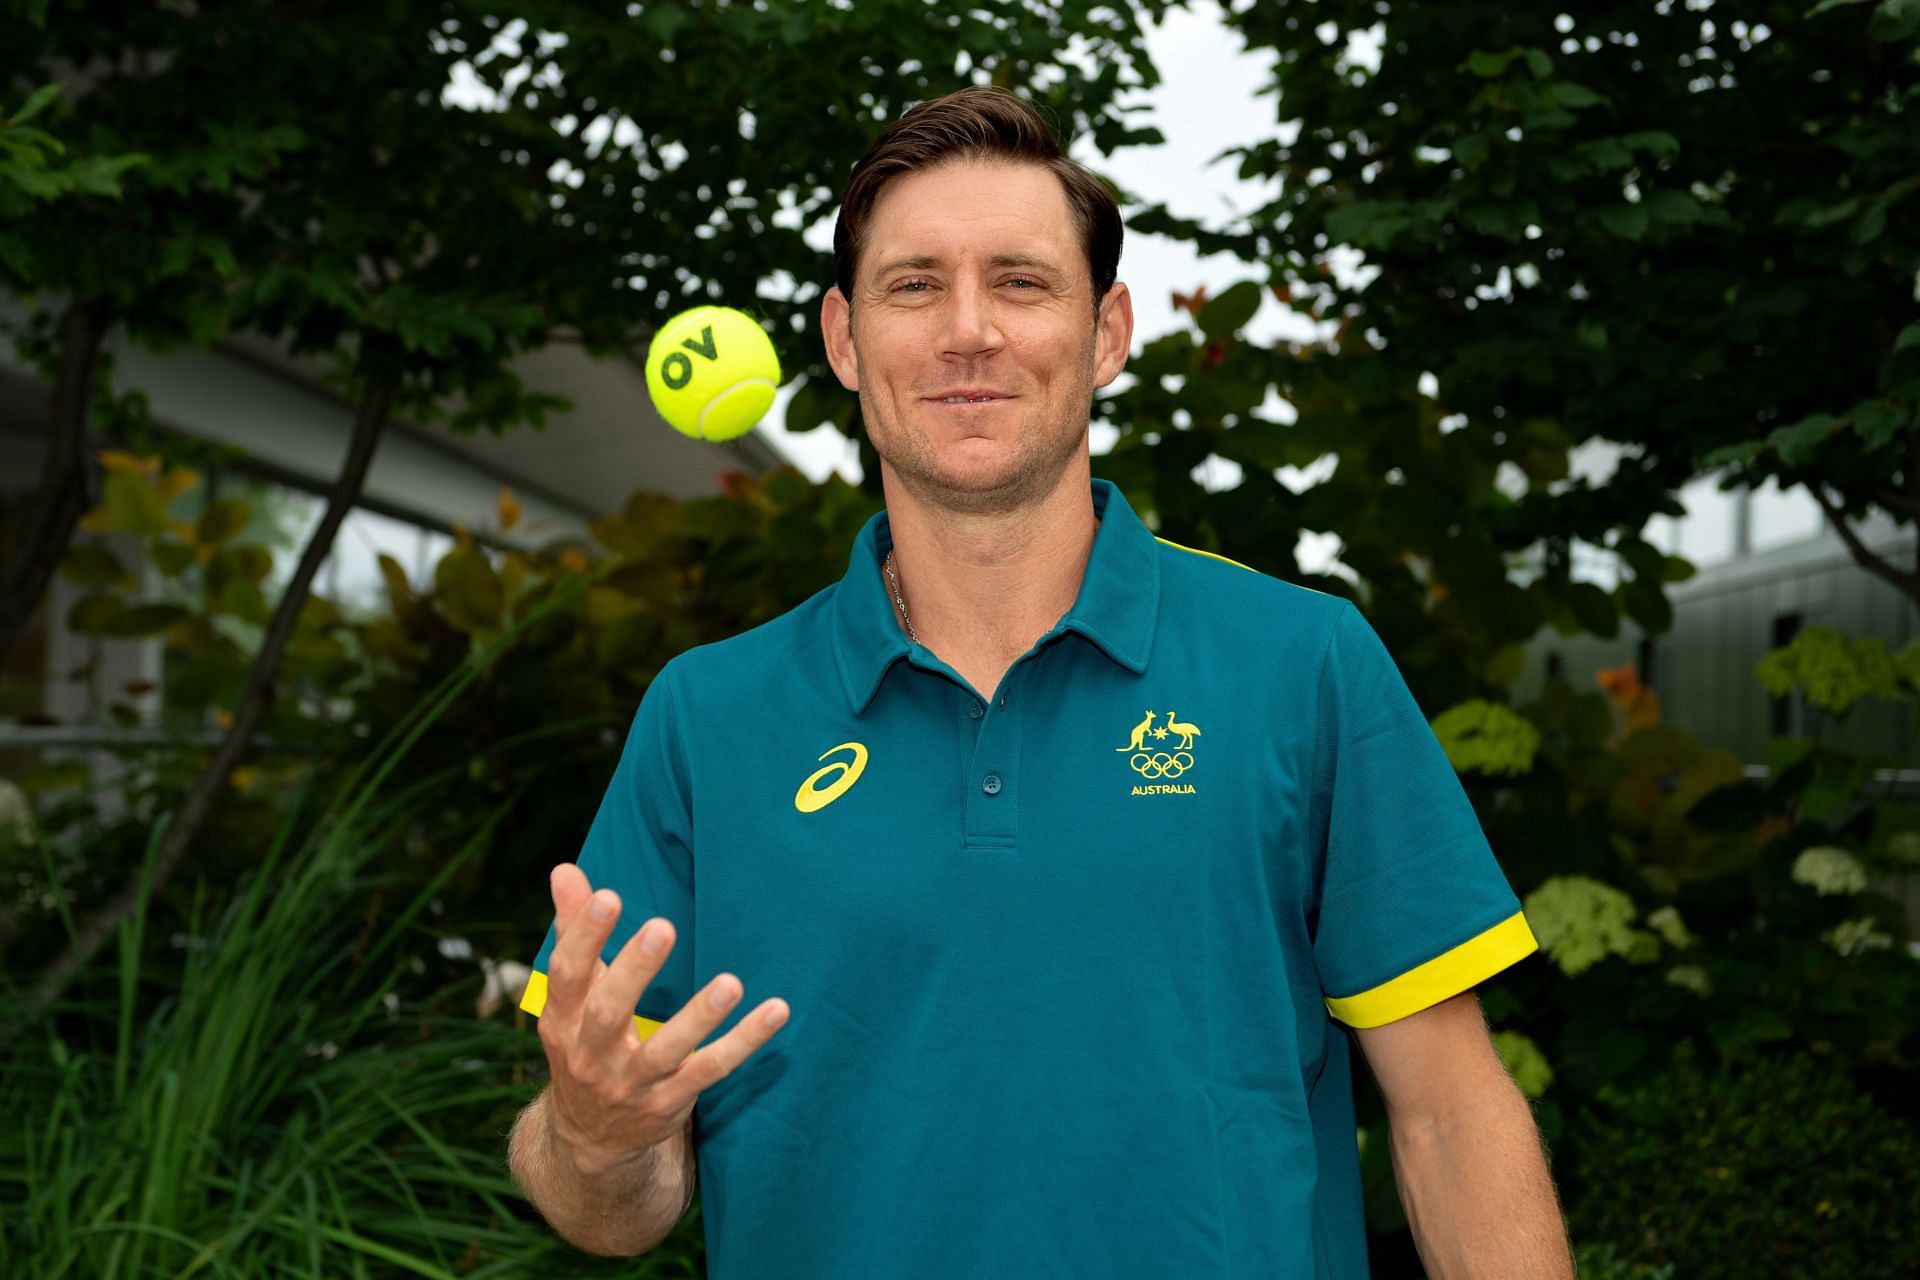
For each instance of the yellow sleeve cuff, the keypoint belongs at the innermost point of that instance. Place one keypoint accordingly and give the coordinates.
(1446, 975)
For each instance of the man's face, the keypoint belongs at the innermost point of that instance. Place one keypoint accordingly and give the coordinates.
(973, 284)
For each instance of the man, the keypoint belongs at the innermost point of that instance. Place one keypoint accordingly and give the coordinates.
(1072, 850)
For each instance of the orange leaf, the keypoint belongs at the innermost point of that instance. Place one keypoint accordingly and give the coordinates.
(509, 508)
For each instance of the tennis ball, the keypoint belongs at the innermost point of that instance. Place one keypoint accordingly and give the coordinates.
(711, 372)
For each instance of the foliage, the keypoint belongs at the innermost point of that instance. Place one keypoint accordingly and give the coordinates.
(1486, 736)
(1835, 671)
(36, 166)
(1659, 879)
(1682, 909)
(615, 170)
(1689, 234)
(661, 576)
(259, 1098)
(1603, 1262)
(1790, 1171)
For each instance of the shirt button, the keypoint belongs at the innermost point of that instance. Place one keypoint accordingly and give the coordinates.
(973, 709)
(991, 784)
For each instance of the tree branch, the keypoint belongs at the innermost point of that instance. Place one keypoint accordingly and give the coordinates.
(69, 481)
(254, 705)
(1908, 583)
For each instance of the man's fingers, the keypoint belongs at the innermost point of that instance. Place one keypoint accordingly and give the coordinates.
(672, 1049)
(609, 1008)
(570, 891)
(572, 966)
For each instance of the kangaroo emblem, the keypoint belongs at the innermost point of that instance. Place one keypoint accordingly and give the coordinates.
(1187, 732)
(1139, 735)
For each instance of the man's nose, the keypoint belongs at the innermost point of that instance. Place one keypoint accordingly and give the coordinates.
(972, 326)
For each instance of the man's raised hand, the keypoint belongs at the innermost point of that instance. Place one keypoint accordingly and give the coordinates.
(615, 1096)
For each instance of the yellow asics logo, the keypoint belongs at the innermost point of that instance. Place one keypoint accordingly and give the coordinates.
(812, 796)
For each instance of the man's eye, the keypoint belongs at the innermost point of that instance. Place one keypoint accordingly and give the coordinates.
(912, 285)
(1024, 280)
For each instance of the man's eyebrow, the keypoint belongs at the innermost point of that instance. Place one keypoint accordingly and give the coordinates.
(924, 262)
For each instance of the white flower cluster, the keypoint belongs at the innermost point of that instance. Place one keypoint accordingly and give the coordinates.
(1829, 870)
(1856, 935)
(1666, 922)
(1692, 977)
(16, 815)
(1580, 921)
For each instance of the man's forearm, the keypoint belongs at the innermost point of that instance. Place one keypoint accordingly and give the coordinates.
(621, 1211)
(1479, 1197)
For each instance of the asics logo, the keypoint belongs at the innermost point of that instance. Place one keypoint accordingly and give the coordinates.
(838, 777)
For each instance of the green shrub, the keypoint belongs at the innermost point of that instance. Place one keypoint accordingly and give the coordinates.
(1779, 1167)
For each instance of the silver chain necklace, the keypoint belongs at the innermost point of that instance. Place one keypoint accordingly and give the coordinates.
(898, 600)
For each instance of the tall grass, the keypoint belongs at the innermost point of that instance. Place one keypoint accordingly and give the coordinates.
(280, 1109)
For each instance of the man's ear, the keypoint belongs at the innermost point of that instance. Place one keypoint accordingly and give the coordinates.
(1112, 334)
(836, 326)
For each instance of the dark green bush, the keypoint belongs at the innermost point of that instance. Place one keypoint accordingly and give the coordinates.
(1781, 1166)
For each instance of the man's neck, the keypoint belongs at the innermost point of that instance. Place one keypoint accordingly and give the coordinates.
(982, 587)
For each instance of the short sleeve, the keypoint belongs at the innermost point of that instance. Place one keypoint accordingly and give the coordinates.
(1412, 906)
(640, 845)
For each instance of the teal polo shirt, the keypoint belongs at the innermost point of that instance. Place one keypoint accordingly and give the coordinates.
(1070, 965)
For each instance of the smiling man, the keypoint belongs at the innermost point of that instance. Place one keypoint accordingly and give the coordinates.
(1080, 858)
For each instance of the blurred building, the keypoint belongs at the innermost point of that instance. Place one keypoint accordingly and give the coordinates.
(1768, 565)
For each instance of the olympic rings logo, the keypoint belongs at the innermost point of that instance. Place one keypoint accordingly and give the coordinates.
(1158, 764)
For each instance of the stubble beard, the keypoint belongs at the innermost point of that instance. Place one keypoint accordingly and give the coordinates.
(1034, 470)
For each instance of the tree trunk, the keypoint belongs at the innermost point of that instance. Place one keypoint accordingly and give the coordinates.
(254, 705)
(69, 479)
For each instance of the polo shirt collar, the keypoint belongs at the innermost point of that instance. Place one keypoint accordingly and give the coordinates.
(1116, 609)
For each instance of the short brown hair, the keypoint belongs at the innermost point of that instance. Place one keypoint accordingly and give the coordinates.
(976, 123)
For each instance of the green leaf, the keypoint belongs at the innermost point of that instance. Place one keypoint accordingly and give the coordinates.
(224, 519)
(1222, 316)
(1871, 224)
(170, 556)
(132, 504)
(1490, 65)
(1908, 337)
(1577, 96)
(470, 594)
(37, 102)
(92, 613)
(1628, 221)
(1797, 441)
(89, 564)
(1594, 609)
(1877, 421)
(1894, 20)
(148, 619)
(1647, 605)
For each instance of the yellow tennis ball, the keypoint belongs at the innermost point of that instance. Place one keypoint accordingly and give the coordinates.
(712, 372)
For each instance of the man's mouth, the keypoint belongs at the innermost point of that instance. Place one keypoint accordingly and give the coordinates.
(969, 397)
